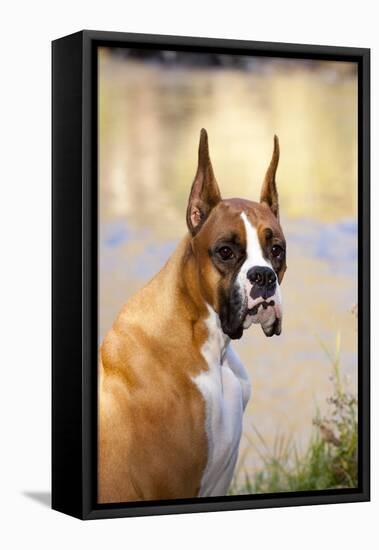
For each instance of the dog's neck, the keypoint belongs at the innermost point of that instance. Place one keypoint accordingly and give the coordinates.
(177, 293)
(198, 307)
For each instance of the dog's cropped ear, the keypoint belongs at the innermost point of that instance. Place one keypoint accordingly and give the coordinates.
(205, 193)
(269, 193)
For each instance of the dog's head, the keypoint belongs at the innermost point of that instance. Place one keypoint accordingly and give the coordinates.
(240, 249)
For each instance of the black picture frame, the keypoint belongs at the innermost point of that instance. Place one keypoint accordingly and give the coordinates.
(74, 273)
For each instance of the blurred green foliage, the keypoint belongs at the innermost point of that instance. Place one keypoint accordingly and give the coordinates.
(328, 462)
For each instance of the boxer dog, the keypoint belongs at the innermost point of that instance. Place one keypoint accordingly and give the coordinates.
(171, 389)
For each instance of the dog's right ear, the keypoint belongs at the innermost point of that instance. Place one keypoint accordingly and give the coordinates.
(205, 193)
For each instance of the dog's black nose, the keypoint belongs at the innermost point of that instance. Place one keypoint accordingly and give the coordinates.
(263, 277)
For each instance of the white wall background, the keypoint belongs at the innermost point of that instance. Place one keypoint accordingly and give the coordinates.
(27, 29)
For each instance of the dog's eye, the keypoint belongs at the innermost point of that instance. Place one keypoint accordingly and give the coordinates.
(225, 253)
(276, 250)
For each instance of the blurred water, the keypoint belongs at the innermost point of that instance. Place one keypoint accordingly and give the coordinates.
(150, 117)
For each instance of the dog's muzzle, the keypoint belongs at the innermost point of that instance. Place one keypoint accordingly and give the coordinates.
(263, 300)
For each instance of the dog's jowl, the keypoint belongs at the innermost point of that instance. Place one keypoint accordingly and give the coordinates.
(171, 389)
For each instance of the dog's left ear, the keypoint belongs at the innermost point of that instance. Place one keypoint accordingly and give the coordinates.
(269, 193)
(205, 193)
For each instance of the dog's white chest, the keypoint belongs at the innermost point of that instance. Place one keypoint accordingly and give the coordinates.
(226, 390)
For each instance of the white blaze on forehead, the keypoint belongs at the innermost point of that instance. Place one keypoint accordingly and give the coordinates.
(254, 257)
(254, 253)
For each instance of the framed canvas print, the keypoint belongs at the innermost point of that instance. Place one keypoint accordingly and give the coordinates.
(210, 275)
